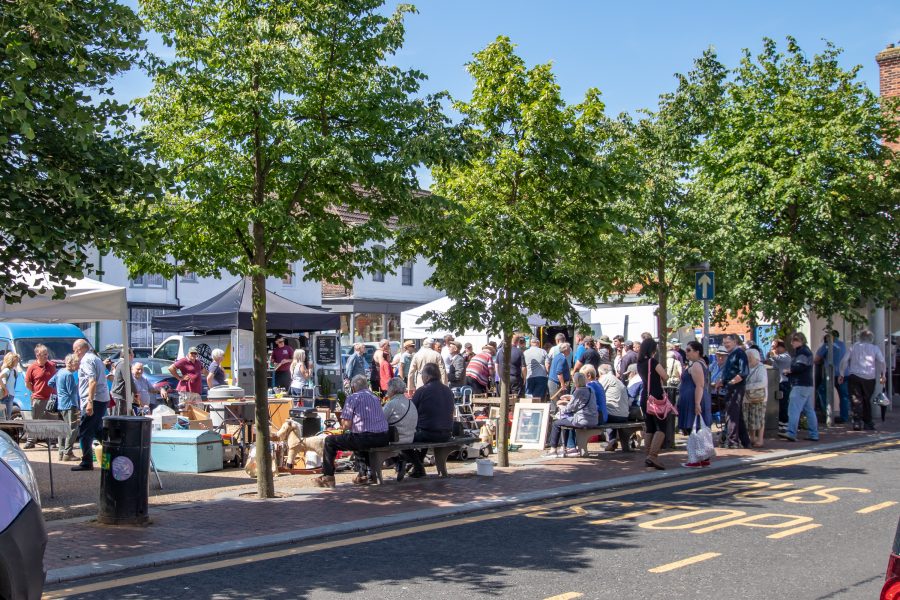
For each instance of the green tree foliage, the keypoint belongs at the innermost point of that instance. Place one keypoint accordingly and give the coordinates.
(804, 194)
(273, 116)
(668, 227)
(72, 172)
(526, 207)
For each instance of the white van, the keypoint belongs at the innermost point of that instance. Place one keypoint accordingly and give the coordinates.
(325, 354)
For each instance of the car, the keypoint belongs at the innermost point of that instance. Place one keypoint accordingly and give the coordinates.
(23, 537)
(156, 370)
(114, 352)
(891, 589)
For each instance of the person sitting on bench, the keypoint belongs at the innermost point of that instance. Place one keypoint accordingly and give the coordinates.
(367, 425)
(617, 404)
(581, 411)
(434, 403)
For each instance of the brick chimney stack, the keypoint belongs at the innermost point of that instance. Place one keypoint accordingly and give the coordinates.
(889, 74)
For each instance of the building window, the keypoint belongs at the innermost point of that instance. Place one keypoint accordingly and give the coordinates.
(288, 279)
(407, 273)
(149, 281)
(140, 333)
(378, 275)
(189, 277)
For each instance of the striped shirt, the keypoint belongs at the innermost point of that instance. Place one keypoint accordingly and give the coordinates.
(364, 412)
(481, 368)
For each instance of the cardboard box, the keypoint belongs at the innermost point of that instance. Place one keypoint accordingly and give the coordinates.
(166, 421)
(198, 418)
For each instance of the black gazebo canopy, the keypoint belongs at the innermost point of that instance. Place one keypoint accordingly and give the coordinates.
(233, 309)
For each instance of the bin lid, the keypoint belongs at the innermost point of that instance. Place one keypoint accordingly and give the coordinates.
(198, 436)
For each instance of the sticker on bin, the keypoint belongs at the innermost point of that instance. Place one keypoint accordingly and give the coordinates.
(122, 468)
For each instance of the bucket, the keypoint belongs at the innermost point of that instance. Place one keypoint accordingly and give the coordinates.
(313, 460)
(484, 467)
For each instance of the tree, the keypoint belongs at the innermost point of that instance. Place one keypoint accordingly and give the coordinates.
(274, 117)
(73, 172)
(667, 226)
(526, 207)
(804, 192)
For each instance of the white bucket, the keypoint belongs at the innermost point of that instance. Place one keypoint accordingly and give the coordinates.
(313, 460)
(484, 467)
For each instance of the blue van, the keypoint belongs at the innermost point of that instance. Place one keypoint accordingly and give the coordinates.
(21, 338)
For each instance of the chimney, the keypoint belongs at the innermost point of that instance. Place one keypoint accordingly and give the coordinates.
(889, 74)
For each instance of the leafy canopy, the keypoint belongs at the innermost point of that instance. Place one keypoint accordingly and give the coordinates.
(72, 171)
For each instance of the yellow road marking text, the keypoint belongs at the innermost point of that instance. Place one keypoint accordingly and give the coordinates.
(684, 563)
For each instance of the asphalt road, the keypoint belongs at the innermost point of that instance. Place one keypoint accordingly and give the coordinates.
(816, 527)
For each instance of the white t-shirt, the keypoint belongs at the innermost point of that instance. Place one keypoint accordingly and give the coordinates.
(535, 359)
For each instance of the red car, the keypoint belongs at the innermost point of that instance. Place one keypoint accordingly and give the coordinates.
(891, 589)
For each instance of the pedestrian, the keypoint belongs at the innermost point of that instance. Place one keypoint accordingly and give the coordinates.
(801, 400)
(605, 350)
(653, 376)
(635, 386)
(401, 415)
(680, 353)
(375, 372)
(403, 360)
(385, 370)
(143, 389)
(65, 385)
(8, 376)
(456, 373)
(365, 427)
(468, 353)
(481, 370)
(216, 374)
(839, 349)
(93, 396)
(425, 356)
(780, 360)
(189, 379)
(280, 359)
(37, 376)
(864, 365)
(674, 367)
(356, 363)
(578, 347)
(560, 340)
(435, 405)
(599, 392)
(445, 351)
(617, 404)
(733, 382)
(756, 395)
(590, 356)
(629, 357)
(559, 375)
(693, 394)
(516, 367)
(299, 372)
(535, 359)
(122, 406)
(579, 412)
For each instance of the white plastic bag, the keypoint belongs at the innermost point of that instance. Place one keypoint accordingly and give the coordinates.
(700, 445)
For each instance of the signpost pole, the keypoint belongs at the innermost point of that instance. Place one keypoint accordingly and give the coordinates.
(706, 328)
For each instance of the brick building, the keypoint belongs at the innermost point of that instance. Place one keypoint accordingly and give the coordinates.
(889, 74)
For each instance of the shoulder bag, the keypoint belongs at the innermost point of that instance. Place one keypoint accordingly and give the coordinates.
(658, 407)
(393, 432)
(755, 395)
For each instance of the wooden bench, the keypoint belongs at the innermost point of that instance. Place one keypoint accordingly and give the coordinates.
(442, 450)
(626, 430)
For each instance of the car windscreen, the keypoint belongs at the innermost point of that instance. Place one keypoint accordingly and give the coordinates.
(58, 348)
(155, 366)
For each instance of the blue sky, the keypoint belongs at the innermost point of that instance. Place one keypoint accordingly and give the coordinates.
(629, 50)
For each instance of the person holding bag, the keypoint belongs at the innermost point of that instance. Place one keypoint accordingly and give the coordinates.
(755, 395)
(654, 401)
(693, 393)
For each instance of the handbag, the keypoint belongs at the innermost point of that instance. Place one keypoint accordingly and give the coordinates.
(52, 404)
(393, 432)
(755, 395)
(700, 444)
(658, 407)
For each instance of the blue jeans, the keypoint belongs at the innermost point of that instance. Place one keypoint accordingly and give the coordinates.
(802, 402)
(536, 387)
(8, 403)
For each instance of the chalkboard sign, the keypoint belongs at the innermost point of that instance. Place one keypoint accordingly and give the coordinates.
(326, 350)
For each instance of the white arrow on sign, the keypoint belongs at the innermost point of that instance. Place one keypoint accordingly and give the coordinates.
(704, 282)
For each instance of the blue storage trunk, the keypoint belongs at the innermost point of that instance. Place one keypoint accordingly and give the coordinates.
(190, 451)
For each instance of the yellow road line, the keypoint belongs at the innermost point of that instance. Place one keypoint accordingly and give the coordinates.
(874, 507)
(521, 510)
(795, 530)
(685, 562)
(566, 596)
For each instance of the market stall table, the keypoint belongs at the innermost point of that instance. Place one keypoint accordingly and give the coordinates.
(45, 430)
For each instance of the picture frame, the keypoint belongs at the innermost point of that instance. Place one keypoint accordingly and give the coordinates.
(494, 413)
(530, 423)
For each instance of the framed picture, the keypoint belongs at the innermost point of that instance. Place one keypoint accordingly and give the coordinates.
(530, 422)
(494, 413)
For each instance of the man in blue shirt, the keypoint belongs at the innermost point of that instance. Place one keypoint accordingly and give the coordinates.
(559, 375)
(821, 359)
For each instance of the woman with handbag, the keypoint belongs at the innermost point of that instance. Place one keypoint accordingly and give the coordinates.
(755, 395)
(654, 401)
(693, 393)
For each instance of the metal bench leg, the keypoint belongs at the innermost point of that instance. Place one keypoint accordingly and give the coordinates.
(440, 459)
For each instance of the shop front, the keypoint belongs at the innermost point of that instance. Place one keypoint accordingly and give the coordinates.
(368, 320)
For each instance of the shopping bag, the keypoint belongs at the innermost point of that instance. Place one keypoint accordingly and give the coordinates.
(700, 445)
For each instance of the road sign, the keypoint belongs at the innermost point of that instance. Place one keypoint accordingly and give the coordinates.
(705, 285)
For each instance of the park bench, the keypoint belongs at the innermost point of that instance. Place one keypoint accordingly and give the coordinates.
(442, 450)
(626, 430)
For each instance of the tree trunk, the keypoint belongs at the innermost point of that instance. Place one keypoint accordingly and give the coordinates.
(503, 428)
(662, 313)
(265, 484)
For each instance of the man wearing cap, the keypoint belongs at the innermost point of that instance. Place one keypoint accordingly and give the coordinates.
(404, 359)
(456, 372)
(281, 358)
(189, 378)
(425, 355)
(675, 346)
(628, 358)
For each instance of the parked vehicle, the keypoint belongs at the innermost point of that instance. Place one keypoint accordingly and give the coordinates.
(114, 352)
(21, 338)
(157, 373)
(23, 537)
(891, 589)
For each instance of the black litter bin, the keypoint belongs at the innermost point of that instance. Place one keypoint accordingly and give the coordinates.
(125, 472)
(310, 422)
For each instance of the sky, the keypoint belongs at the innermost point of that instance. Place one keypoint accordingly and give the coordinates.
(629, 50)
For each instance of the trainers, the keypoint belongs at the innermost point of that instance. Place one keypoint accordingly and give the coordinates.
(361, 480)
(573, 452)
(694, 465)
(787, 437)
(704, 463)
(553, 453)
(28, 445)
(83, 467)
